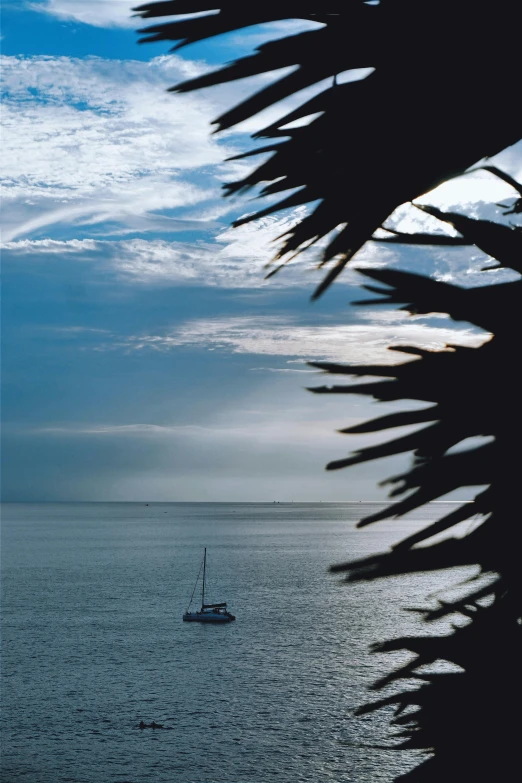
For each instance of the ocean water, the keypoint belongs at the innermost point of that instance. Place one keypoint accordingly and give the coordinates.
(93, 642)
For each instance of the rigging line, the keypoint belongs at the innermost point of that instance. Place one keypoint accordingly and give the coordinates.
(208, 588)
(196, 584)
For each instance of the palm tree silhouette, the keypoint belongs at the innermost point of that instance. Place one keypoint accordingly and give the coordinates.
(441, 97)
(460, 715)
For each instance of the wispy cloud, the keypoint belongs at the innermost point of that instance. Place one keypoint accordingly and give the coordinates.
(119, 13)
(100, 144)
(232, 258)
(273, 336)
(281, 369)
(88, 141)
(99, 13)
(272, 428)
(236, 259)
(262, 33)
(155, 262)
(75, 330)
(117, 429)
(91, 142)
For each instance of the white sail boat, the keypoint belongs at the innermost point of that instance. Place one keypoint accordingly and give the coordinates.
(209, 613)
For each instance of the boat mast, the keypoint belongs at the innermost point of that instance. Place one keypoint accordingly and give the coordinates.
(203, 588)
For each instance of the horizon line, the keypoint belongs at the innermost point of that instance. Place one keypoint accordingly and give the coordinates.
(231, 502)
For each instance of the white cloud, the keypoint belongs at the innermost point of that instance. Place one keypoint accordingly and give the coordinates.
(267, 430)
(281, 369)
(94, 140)
(87, 141)
(119, 13)
(474, 194)
(235, 259)
(101, 144)
(274, 336)
(44, 247)
(118, 429)
(99, 13)
(478, 188)
(260, 34)
(274, 427)
(73, 331)
(152, 263)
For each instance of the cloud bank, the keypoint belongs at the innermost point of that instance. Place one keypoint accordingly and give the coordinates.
(283, 337)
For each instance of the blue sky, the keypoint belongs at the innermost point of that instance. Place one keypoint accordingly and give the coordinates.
(144, 355)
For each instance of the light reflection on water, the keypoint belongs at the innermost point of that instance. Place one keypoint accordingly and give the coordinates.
(93, 643)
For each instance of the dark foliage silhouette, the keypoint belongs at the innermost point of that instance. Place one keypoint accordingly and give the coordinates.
(442, 96)
(461, 715)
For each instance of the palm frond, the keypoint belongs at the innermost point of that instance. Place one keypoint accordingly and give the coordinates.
(472, 392)
(361, 155)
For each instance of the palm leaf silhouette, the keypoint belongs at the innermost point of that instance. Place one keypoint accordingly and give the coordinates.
(441, 97)
(458, 715)
(415, 122)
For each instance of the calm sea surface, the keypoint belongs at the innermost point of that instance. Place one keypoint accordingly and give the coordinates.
(93, 642)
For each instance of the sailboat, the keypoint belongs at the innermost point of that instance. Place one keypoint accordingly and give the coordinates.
(209, 613)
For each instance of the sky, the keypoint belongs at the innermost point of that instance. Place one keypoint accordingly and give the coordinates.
(144, 355)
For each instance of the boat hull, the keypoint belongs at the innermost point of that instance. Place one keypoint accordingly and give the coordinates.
(209, 612)
(207, 617)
